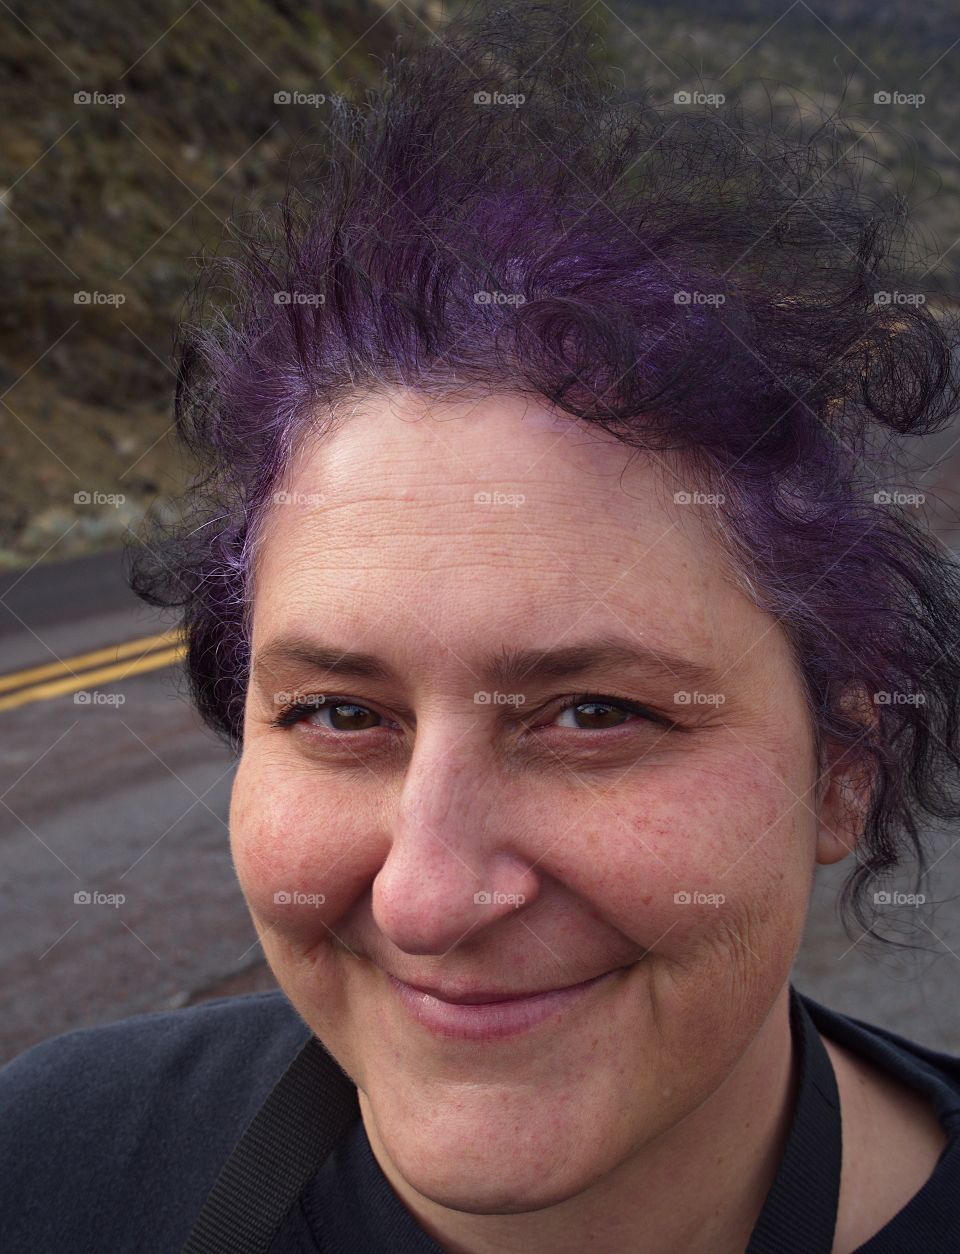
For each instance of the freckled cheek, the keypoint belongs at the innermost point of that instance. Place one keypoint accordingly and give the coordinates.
(691, 865)
(301, 861)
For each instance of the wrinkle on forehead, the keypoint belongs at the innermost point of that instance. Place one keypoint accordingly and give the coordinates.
(390, 492)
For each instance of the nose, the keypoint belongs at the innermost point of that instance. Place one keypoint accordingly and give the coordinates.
(452, 868)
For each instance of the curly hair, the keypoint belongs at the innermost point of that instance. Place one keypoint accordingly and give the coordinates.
(498, 216)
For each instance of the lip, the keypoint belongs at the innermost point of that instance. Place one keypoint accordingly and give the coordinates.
(488, 1015)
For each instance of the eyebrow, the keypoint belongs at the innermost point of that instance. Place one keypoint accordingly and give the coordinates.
(506, 667)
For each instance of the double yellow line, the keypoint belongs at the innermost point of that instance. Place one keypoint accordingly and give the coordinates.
(102, 666)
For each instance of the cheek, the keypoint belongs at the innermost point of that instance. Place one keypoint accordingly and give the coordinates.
(301, 858)
(693, 858)
(682, 860)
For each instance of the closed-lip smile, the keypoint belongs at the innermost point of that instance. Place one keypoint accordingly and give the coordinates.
(487, 1014)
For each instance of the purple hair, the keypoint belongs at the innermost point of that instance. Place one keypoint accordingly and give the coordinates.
(684, 278)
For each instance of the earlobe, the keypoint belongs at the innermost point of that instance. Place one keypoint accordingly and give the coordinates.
(846, 784)
(842, 812)
(832, 846)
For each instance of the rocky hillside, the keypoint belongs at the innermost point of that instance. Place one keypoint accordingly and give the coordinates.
(129, 133)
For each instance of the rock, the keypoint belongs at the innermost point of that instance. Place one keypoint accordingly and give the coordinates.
(47, 527)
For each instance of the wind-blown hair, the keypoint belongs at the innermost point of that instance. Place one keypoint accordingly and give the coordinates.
(685, 278)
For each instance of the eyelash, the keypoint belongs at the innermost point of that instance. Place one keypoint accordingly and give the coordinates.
(294, 713)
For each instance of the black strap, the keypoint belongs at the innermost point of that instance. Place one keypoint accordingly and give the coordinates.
(799, 1215)
(314, 1102)
(294, 1130)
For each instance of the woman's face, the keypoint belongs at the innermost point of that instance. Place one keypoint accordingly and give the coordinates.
(484, 833)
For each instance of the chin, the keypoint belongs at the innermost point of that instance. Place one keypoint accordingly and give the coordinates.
(475, 1159)
(488, 1197)
(492, 1184)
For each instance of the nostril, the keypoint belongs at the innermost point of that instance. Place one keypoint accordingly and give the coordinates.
(514, 880)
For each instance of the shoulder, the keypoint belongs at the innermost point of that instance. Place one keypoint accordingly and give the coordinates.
(112, 1135)
(932, 1072)
(900, 1108)
(134, 1065)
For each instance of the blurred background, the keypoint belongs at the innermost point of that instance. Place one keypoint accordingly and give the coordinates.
(128, 135)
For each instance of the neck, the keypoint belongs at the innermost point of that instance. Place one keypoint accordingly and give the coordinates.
(701, 1184)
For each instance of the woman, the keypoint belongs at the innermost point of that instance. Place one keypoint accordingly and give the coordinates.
(542, 569)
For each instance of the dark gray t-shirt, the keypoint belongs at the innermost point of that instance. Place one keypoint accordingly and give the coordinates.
(111, 1137)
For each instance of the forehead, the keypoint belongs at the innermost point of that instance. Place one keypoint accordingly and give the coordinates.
(498, 515)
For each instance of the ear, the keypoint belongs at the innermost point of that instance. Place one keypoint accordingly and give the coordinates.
(846, 782)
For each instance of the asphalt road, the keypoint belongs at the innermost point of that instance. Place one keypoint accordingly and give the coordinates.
(112, 799)
(129, 799)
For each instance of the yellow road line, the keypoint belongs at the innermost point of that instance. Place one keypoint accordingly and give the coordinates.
(112, 653)
(100, 675)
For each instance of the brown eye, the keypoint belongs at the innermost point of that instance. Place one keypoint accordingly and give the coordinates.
(345, 716)
(329, 714)
(595, 714)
